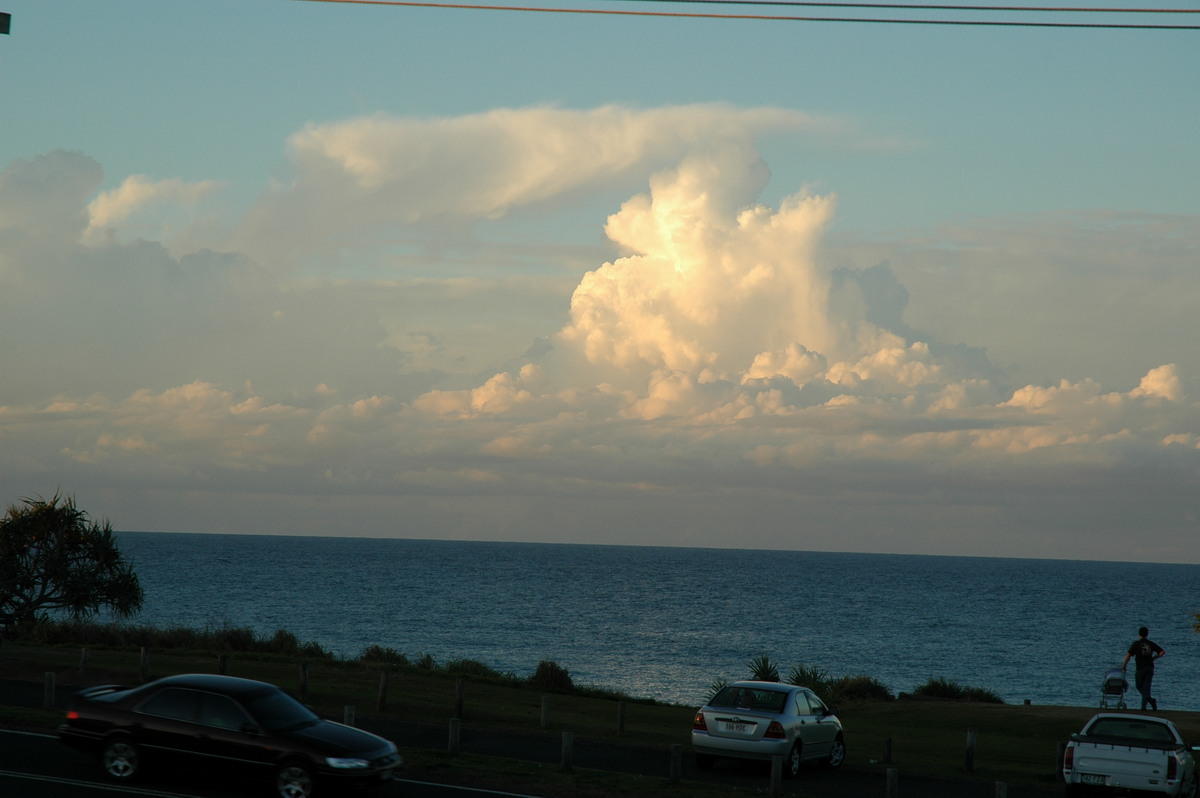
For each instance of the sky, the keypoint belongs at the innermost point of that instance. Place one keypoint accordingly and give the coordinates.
(313, 268)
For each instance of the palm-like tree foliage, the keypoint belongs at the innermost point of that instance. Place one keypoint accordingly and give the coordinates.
(54, 558)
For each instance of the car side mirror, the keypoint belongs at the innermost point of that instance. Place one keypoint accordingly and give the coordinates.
(830, 711)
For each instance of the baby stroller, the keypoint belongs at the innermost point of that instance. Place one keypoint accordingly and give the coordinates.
(1113, 688)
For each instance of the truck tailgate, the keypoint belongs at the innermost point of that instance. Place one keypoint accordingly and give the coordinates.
(1138, 769)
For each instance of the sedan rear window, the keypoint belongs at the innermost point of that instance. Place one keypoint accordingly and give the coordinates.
(750, 698)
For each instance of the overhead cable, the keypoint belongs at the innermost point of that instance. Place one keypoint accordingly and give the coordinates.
(784, 18)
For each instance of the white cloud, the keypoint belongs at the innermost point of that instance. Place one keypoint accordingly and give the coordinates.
(728, 365)
(351, 180)
(139, 195)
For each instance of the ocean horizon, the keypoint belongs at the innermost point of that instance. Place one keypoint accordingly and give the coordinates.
(665, 622)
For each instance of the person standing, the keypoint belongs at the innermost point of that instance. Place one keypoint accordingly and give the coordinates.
(1144, 652)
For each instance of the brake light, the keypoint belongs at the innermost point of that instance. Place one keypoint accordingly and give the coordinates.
(699, 723)
(1069, 759)
(775, 731)
(1172, 767)
(72, 715)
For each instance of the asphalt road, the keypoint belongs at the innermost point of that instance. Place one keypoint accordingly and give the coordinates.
(36, 765)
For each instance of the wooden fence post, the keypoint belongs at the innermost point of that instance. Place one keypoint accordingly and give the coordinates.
(459, 693)
(893, 783)
(348, 715)
(223, 664)
(676, 763)
(144, 666)
(83, 659)
(303, 681)
(887, 751)
(455, 736)
(620, 717)
(776, 776)
(972, 734)
(381, 701)
(545, 711)
(568, 745)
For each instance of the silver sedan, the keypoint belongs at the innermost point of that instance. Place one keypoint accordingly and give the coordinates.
(759, 720)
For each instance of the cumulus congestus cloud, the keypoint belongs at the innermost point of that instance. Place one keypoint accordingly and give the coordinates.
(715, 369)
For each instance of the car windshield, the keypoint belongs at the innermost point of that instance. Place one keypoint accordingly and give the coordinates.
(750, 698)
(276, 710)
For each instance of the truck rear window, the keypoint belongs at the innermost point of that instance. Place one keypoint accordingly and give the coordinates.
(1131, 729)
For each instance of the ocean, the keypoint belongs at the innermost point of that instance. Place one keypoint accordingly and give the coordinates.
(664, 623)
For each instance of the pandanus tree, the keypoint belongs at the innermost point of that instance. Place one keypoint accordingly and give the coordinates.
(54, 558)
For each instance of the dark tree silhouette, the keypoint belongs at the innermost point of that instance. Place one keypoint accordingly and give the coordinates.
(54, 558)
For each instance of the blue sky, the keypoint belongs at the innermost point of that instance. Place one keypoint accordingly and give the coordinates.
(317, 268)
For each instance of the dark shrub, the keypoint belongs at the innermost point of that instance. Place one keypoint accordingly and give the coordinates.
(857, 688)
(810, 676)
(762, 669)
(470, 667)
(382, 655)
(551, 676)
(283, 642)
(941, 687)
(229, 638)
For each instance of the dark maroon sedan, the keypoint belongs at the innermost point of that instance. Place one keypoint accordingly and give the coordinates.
(224, 724)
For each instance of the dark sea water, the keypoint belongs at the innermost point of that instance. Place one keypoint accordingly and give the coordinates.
(665, 622)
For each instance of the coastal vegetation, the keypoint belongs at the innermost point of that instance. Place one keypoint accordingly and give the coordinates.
(839, 690)
(54, 558)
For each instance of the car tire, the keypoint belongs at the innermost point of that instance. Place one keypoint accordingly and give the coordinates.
(120, 758)
(294, 780)
(1189, 790)
(705, 761)
(792, 762)
(837, 754)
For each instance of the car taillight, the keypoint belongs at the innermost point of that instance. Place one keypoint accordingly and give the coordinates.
(72, 715)
(1069, 759)
(775, 731)
(699, 724)
(1172, 767)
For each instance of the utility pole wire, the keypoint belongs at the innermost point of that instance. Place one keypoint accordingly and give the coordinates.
(930, 7)
(766, 17)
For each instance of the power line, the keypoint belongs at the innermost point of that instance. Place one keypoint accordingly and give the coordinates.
(939, 7)
(785, 18)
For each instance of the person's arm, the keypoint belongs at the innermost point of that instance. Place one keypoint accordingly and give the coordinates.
(1125, 661)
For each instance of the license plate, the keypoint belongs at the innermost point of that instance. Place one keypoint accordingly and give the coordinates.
(739, 728)
(1092, 778)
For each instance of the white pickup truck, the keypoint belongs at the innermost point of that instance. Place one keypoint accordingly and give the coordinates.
(1119, 753)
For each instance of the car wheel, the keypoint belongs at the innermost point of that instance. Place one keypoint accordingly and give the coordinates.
(293, 780)
(120, 758)
(1189, 788)
(791, 763)
(705, 761)
(837, 754)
